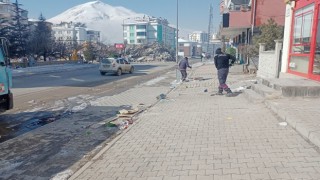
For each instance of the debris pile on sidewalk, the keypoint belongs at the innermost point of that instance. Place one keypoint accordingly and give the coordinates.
(124, 118)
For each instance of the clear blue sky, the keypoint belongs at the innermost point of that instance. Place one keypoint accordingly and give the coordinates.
(193, 14)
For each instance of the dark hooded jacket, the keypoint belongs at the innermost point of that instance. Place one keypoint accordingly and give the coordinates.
(221, 60)
(183, 64)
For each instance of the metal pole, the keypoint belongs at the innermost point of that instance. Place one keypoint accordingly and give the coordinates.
(177, 42)
(177, 34)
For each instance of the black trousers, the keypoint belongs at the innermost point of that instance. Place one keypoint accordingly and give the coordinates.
(183, 74)
(222, 77)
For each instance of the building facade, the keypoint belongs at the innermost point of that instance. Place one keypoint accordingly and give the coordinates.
(302, 39)
(240, 18)
(69, 32)
(8, 11)
(148, 30)
(93, 36)
(199, 36)
(187, 48)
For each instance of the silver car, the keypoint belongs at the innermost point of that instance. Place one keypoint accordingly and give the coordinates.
(116, 66)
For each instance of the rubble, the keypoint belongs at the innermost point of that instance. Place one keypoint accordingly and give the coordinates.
(153, 52)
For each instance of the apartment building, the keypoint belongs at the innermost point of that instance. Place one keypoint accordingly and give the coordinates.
(70, 33)
(199, 36)
(93, 36)
(147, 30)
(7, 12)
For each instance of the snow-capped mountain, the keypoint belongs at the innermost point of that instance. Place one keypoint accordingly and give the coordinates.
(99, 16)
(107, 19)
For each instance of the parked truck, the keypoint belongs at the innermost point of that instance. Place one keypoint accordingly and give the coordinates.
(6, 97)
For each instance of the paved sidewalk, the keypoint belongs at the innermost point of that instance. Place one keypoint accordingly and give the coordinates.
(193, 135)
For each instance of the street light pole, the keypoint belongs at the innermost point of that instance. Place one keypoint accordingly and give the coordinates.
(177, 43)
(177, 34)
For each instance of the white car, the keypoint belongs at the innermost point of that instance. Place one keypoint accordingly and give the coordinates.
(117, 66)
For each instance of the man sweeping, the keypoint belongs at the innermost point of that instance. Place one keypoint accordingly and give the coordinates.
(221, 61)
(183, 65)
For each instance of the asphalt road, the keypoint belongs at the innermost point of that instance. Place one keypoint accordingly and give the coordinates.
(37, 140)
(36, 96)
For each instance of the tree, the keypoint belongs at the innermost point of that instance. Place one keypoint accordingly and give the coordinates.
(90, 52)
(4, 27)
(41, 42)
(231, 51)
(18, 32)
(61, 49)
(269, 32)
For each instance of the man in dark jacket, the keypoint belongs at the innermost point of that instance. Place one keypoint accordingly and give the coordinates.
(183, 65)
(221, 61)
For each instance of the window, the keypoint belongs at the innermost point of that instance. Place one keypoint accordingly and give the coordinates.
(141, 26)
(131, 41)
(131, 27)
(131, 34)
(141, 41)
(302, 30)
(141, 33)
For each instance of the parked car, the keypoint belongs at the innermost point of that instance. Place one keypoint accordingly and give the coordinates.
(116, 66)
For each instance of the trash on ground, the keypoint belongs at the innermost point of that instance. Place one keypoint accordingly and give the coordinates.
(206, 90)
(31, 102)
(283, 124)
(127, 113)
(231, 94)
(63, 175)
(161, 96)
(198, 78)
(124, 118)
(241, 88)
(111, 124)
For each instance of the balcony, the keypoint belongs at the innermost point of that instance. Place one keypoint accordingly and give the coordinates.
(242, 7)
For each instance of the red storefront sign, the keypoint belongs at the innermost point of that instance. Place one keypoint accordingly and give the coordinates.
(119, 46)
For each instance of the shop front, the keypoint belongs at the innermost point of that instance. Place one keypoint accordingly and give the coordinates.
(304, 54)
